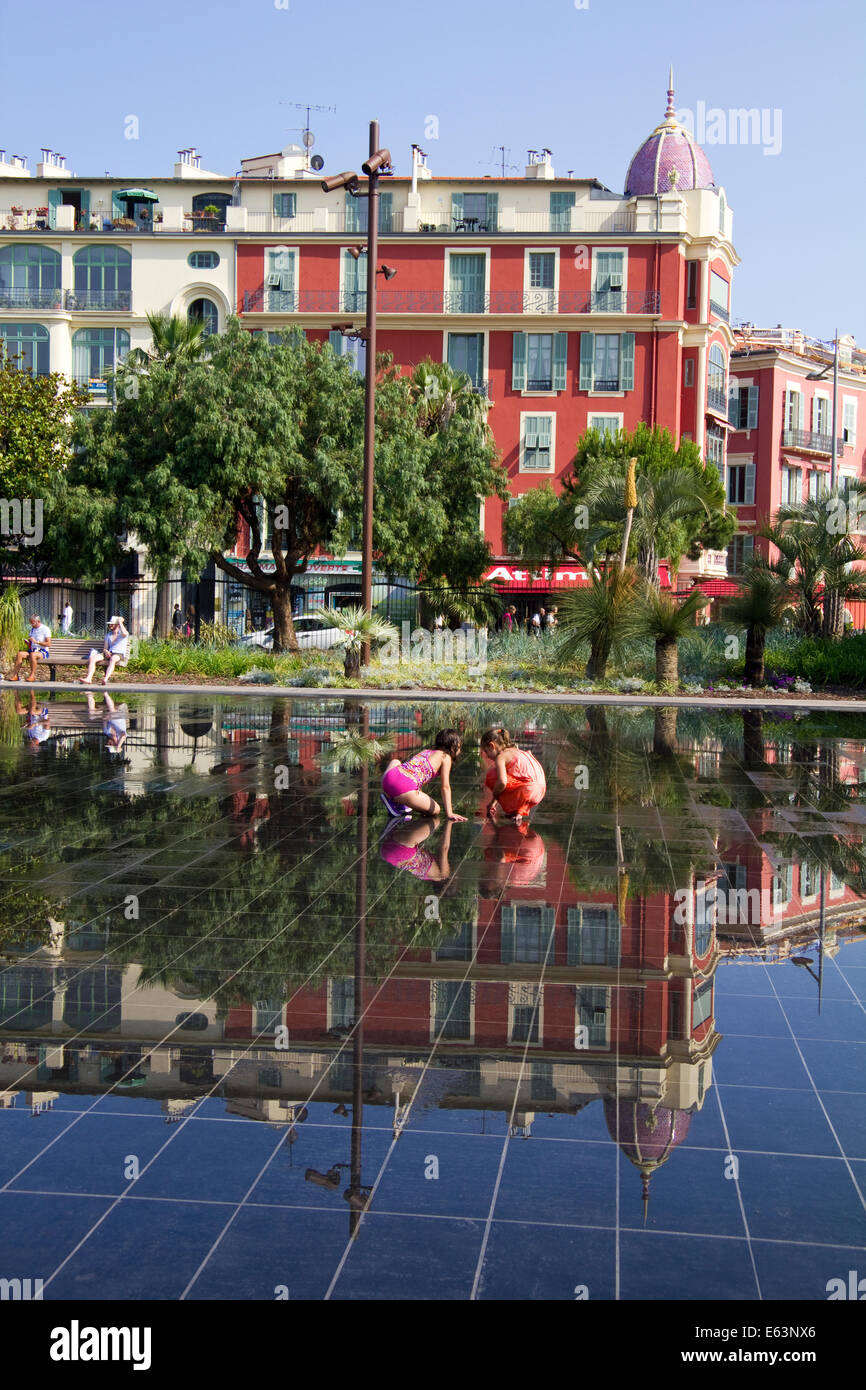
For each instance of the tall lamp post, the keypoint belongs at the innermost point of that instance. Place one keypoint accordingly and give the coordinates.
(377, 161)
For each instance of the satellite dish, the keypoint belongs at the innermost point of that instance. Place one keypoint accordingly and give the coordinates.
(309, 139)
(317, 162)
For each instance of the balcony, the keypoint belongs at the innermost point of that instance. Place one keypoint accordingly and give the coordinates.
(97, 386)
(717, 401)
(482, 387)
(719, 311)
(405, 301)
(810, 442)
(30, 299)
(111, 300)
(606, 384)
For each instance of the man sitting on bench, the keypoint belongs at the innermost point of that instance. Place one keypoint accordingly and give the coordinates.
(38, 648)
(116, 649)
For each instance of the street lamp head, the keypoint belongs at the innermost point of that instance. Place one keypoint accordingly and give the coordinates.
(380, 160)
(349, 180)
(817, 376)
(388, 271)
(356, 251)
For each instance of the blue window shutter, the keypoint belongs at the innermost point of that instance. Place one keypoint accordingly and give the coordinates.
(518, 363)
(118, 206)
(749, 499)
(278, 205)
(734, 406)
(509, 922)
(492, 217)
(456, 206)
(353, 220)
(626, 361)
(587, 353)
(530, 431)
(752, 407)
(386, 211)
(543, 440)
(54, 196)
(560, 358)
(336, 341)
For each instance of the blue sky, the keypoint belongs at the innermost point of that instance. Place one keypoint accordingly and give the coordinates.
(589, 83)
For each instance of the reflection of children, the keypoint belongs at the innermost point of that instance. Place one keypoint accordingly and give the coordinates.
(401, 848)
(516, 779)
(402, 782)
(516, 855)
(38, 728)
(113, 723)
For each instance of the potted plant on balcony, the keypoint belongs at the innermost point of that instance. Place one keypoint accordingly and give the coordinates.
(123, 223)
(17, 211)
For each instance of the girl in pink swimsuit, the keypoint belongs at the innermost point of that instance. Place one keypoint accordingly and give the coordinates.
(402, 782)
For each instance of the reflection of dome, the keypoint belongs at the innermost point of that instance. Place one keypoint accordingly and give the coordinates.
(646, 1136)
(669, 159)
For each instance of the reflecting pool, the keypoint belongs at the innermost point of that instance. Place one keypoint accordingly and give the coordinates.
(245, 1054)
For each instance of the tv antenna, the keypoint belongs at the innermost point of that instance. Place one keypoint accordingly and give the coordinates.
(501, 151)
(309, 137)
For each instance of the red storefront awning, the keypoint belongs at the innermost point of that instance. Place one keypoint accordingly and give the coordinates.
(717, 588)
(511, 579)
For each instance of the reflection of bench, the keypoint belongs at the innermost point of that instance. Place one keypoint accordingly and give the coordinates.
(74, 651)
(65, 715)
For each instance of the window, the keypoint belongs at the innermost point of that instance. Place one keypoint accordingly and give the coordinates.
(607, 362)
(527, 933)
(818, 484)
(593, 936)
(466, 354)
(605, 424)
(358, 213)
(793, 409)
(689, 372)
(26, 345)
(524, 1007)
(542, 270)
(539, 361)
(452, 1010)
(717, 389)
(740, 552)
(466, 282)
(203, 260)
(207, 311)
(810, 877)
(29, 277)
(475, 212)
(95, 354)
(205, 220)
(849, 421)
(560, 211)
(341, 1002)
(715, 448)
(692, 270)
(592, 1011)
(741, 484)
(743, 407)
(702, 1004)
(609, 269)
(354, 297)
(280, 280)
(537, 453)
(783, 885)
(792, 487)
(458, 947)
(285, 204)
(352, 348)
(720, 292)
(103, 277)
(821, 415)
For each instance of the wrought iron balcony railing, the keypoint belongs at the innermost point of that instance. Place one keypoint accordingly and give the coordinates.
(409, 301)
(717, 400)
(30, 299)
(811, 441)
(99, 299)
(720, 311)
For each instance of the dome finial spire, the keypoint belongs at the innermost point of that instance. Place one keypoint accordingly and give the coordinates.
(671, 109)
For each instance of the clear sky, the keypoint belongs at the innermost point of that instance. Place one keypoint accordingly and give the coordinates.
(587, 82)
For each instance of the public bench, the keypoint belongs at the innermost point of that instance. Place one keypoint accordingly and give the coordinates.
(74, 651)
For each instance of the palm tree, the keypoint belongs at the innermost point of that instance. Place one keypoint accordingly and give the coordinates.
(666, 620)
(358, 628)
(605, 614)
(759, 606)
(443, 393)
(176, 338)
(815, 556)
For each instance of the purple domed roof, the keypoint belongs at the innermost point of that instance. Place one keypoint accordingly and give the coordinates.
(669, 159)
(646, 1136)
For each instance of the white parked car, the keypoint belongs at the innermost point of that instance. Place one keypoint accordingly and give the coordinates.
(312, 634)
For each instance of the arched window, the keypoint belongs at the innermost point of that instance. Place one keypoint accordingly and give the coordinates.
(723, 208)
(206, 310)
(29, 276)
(203, 260)
(103, 278)
(716, 380)
(96, 352)
(26, 345)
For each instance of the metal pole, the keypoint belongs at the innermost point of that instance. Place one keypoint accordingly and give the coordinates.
(835, 400)
(370, 389)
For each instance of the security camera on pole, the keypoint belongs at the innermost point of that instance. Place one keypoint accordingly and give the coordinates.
(379, 160)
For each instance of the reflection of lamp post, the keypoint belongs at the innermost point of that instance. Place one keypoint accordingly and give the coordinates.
(805, 962)
(378, 160)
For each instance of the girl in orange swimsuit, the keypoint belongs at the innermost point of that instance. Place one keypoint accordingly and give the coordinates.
(516, 779)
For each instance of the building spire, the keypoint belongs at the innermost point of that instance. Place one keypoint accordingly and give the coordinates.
(671, 109)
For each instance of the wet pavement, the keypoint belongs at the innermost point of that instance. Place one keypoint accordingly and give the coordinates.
(256, 1045)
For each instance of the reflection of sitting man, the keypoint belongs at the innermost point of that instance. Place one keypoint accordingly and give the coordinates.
(401, 848)
(38, 727)
(114, 722)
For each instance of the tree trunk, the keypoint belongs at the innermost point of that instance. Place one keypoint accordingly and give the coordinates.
(667, 662)
(665, 732)
(285, 639)
(599, 654)
(753, 737)
(833, 624)
(352, 664)
(754, 657)
(648, 564)
(162, 612)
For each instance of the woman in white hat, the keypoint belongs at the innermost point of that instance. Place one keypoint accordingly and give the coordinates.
(116, 649)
